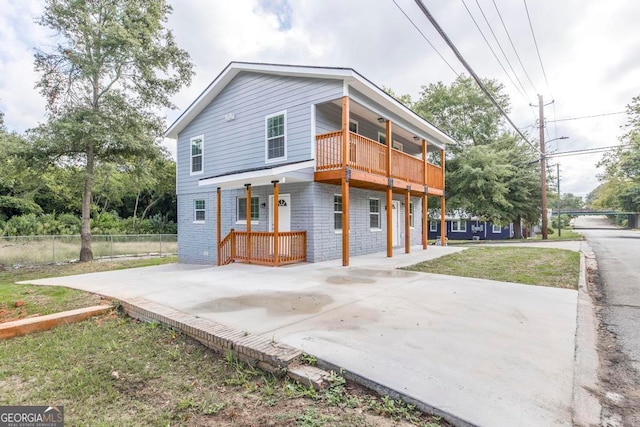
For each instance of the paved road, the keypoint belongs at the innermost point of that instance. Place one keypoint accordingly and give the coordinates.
(617, 252)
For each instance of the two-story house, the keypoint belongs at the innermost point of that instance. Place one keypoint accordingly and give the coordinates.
(279, 164)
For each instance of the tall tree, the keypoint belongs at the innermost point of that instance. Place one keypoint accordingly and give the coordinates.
(114, 66)
(621, 175)
(490, 173)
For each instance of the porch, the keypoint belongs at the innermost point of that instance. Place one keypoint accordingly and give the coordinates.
(263, 247)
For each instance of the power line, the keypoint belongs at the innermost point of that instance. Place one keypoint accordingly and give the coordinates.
(501, 49)
(425, 37)
(514, 47)
(535, 42)
(473, 74)
(491, 49)
(588, 117)
(588, 150)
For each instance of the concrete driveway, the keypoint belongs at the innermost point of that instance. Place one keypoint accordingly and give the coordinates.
(490, 353)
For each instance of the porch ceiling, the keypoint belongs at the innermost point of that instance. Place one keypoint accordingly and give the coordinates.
(372, 116)
(297, 172)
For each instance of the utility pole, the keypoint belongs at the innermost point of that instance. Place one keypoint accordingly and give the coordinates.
(558, 178)
(543, 171)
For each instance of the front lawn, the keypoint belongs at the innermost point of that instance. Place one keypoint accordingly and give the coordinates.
(556, 268)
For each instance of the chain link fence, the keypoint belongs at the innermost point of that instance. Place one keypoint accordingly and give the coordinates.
(37, 250)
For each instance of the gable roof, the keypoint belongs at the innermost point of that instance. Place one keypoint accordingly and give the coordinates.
(348, 75)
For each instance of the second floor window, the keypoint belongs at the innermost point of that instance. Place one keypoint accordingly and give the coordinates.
(196, 154)
(276, 144)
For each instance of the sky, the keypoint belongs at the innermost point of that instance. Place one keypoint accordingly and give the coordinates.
(589, 52)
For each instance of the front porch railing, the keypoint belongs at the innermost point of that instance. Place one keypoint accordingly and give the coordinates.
(370, 156)
(256, 247)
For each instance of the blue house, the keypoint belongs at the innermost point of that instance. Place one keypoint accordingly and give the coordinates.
(470, 229)
(347, 167)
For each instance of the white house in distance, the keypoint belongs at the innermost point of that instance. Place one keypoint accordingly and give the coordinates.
(348, 168)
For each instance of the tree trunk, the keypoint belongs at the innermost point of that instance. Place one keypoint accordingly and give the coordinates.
(86, 254)
(135, 211)
(517, 228)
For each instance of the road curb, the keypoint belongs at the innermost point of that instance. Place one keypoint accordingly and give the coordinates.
(586, 406)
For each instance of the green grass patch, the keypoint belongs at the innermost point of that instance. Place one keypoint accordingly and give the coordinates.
(556, 268)
(44, 300)
(114, 371)
(566, 234)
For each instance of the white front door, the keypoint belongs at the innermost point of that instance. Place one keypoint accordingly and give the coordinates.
(396, 223)
(284, 212)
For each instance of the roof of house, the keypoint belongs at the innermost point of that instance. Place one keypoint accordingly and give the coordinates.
(347, 75)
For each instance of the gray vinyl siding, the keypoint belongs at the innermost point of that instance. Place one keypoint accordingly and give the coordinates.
(311, 211)
(239, 144)
(329, 119)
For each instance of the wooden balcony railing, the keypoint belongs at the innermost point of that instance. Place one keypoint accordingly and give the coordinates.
(256, 247)
(370, 156)
(409, 168)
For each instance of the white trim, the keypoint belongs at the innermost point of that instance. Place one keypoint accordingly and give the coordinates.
(379, 213)
(459, 223)
(195, 138)
(334, 212)
(267, 174)
(412, 215)
(313, 132)
(433, 222)
(395, 144)
(493, 229)
(355, 122)
(266, 139)
(384, 134)
(195, 211)
(349, 77)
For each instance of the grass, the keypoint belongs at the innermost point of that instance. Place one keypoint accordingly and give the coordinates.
(567, 234)
(113, 371)
(556, 268)
(51, 299)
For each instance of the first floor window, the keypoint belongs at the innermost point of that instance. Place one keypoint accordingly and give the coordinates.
(497, 229)
(433, 226)
(411, 220)
(242, 209)
(374, 213)
(196, 154)
(276, 136)
(459, 225)
(337, 212)
(199, 210)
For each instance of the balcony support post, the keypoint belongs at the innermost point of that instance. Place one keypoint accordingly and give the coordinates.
(388, 132)
(424, 160)
(345, 221)
(345, 131)
(218, 225)
(425, 219)
(443, 231)
(276, 224)
(248, 227)
(390, 219)
(407, 224)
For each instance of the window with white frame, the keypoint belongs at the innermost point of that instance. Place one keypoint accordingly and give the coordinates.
(337, 212)
(374, 214)
(199, 212)
(459, 225)
(242, 209)
(433, 226)
(353, 126)
(382, 138)
(197, 146)
(497, 229)
(411, 220)
(397, 146)
(276, 137)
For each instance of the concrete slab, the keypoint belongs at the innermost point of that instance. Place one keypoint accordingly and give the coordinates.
(490, 353)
